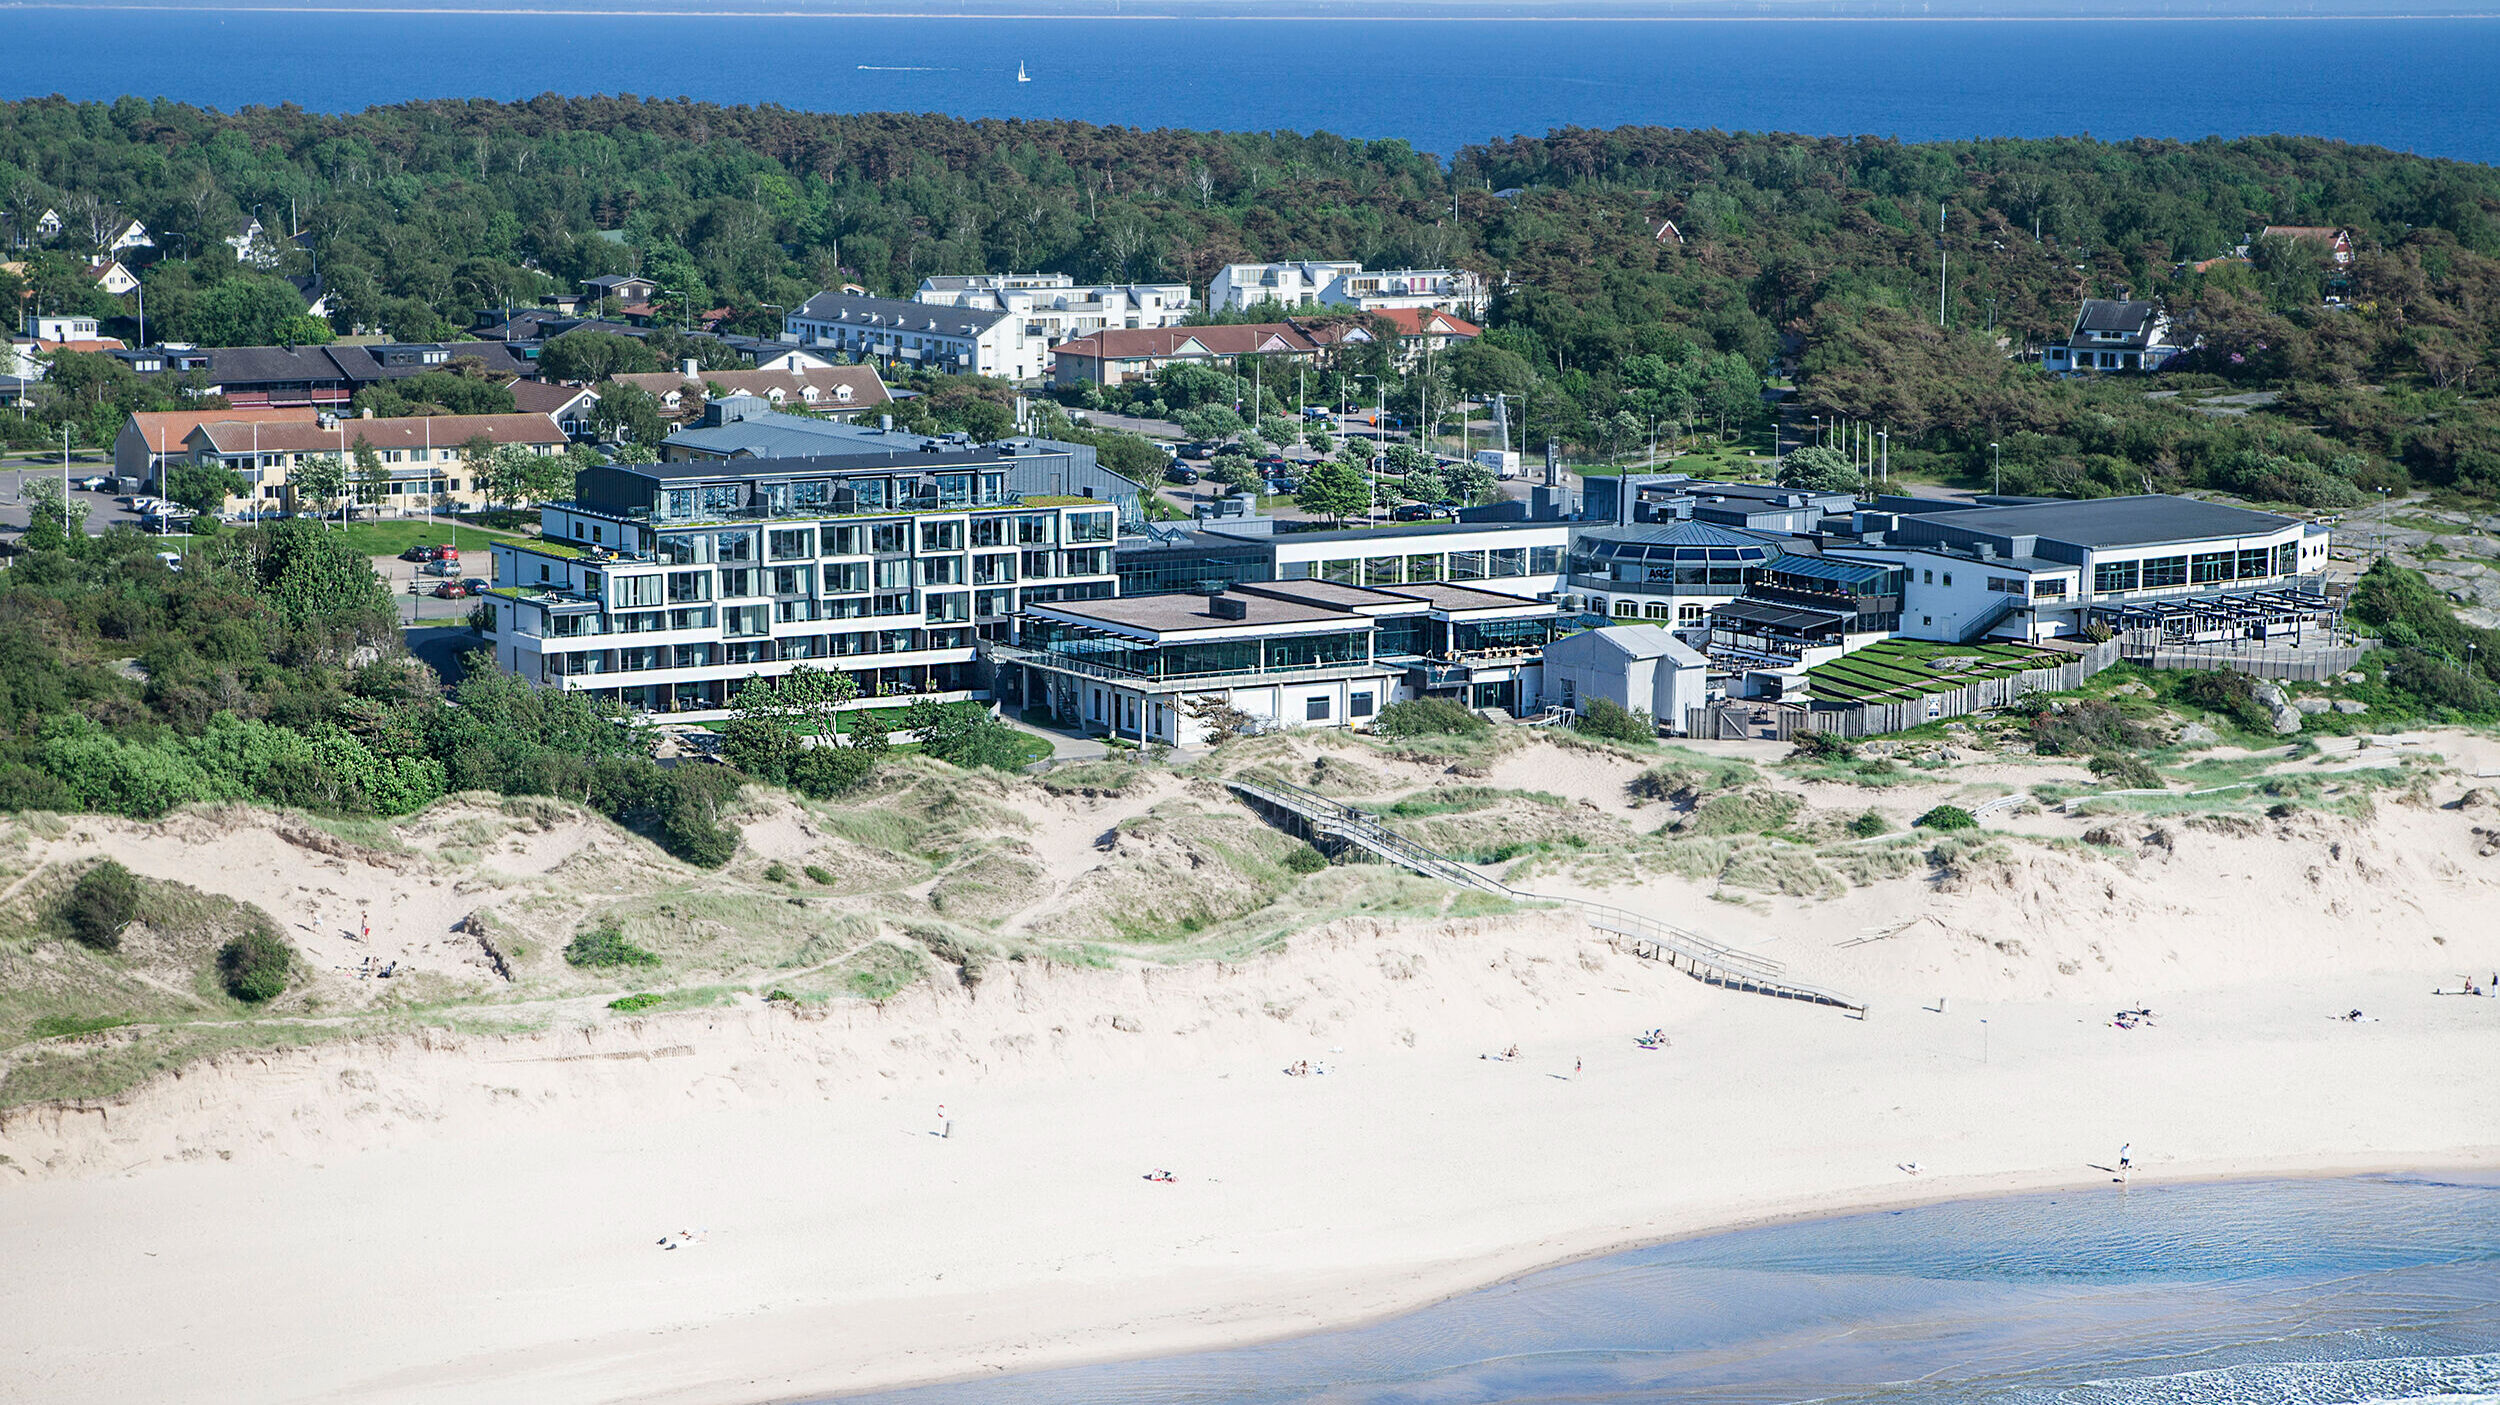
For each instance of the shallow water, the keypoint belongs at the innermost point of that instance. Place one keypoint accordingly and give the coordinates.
(2321, 1292)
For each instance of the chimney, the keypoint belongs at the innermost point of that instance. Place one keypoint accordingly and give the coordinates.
(688, 368)
(885, 424)
(365, 413)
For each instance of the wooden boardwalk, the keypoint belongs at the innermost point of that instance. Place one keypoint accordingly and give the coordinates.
(1327, 822)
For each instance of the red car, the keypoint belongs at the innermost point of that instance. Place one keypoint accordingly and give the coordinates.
(451, 590)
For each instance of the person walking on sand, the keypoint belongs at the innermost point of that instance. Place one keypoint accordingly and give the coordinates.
(1575, 1068)
(2126, 1157)
(945, 1124)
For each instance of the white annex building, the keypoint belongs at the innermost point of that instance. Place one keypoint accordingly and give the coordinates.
(1045, 309)
(1342, 283)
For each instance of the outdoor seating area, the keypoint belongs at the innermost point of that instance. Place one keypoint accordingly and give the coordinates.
(1899, 670)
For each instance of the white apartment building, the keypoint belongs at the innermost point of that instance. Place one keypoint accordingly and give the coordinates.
(1344, 283)
(900, 332)
(1046, 309)
(666, 586)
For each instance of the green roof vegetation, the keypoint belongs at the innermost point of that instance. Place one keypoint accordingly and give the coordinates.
(1898, 670)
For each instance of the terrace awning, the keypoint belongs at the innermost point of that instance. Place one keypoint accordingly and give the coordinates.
(1775, 618)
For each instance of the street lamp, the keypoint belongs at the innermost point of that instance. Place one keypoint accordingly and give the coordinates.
(1996, 461)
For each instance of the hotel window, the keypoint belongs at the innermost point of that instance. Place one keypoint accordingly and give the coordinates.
(737, 546)
(2110, 576)
(1091, 527)
(1659, 610)
(888, 538)
(686, 587)
(634, 591)
(894, 575)
(737, 581)
(2165, 572)
(2209, 567)
(1510, 561)
(790, 580)
(942, 536)
(792, 545)
(1466, 565)
(1358, 705)
(1034, 529)
(2049, 590)
(2255, 562)
(990, 531)
(842, 541)
(1315, 710)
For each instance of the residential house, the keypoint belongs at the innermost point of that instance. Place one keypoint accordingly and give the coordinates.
(622, 288)
(898, 332)
(421, 453)
(109, 275)
(326, 376)
(1118, 357)
(1049, 308)
(153, 439)
(2113, 335)
(1424, 330)
(1343, 283)
(46, 334)
(254, 245)
(2334, 241)
(667, 586)
(127, 237)
(43, 229)
(570, 406)
(837, 391)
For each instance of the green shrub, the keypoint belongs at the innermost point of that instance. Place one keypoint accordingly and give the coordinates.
(776, 872)
(817, 873)
(103, 902)
(1603, 717)
(2083, 726)
(1305, 859)
(604, 945)
(1428, 717)
(254, 965)
(1822, 746)
(1947, 817)
(823, 772)
(1868, 825)
(965, 734)
(631, 1003)
(2126, 772)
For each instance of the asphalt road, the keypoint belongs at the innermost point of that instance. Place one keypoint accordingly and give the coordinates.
(102, 510)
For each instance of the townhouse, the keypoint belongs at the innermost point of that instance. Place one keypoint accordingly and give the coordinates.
(422, 455)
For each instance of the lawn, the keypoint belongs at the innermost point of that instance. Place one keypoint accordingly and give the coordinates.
(394, 537)
(1898, 670)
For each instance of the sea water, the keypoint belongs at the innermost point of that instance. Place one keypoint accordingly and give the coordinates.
(2363, 1291)
(2420, 85)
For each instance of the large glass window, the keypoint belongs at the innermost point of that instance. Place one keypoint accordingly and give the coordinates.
(686, 587)
(1420, 569)
(2256, 562)
(791, 544)
(890, 538)
(2208, 567)
(1466, 565)
(942, 570)
(846, 577)
(1544, 560)
(2111, 576)
(1344, 572)
(790, 580)
(894, 575)
(2164, 572)
(686, 548)
(737, 546)
(1035, 529)
(2287, 559)
(1510, 561)
(989, 531)
(845, 541)
(942, 536)
(1091, 526)
(1383, 570)
(637, 591)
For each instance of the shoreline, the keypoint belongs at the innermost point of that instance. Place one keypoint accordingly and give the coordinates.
(502, 1195)
(2465, 1159)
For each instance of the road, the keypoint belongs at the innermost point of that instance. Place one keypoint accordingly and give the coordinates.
(102, 510)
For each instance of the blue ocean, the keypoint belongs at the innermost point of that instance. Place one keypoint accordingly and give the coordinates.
(2421, 85)
(2380, 1290)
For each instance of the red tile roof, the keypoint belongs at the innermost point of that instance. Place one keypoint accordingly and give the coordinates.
(166, 431)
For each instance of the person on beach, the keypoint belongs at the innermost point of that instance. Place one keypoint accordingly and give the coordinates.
(945, 1124)
(2126, 1156)
(1575, 1068)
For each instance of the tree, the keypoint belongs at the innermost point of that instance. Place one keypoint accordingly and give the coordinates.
(205, 487)
(55, 521)
(1818, 469)
(1424, 485)
(1335, 490)
(373, 477)
(103, 902)
(320, 482)
(1471, 483)
(1733, 391)
(588, 357)
(965, 734)
(629, 414)
(512, 474)
(303, 329)
(254, 965)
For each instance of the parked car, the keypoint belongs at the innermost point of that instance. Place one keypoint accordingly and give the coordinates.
(172, 559)
(1315, 412)
(92, 483)
(1180, 473)
(451, 590)
(141, 502)
(417, 553)
(1197, 449)
(1418, 512)
(475, 585)
(1278, 487)
(1274, 464)
(440, 568)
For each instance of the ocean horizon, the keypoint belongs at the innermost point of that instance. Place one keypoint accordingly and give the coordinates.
(1437, 83)
(2366, 1290)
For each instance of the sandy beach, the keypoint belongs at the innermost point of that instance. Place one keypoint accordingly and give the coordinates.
(440, 1216)
(481, 1220)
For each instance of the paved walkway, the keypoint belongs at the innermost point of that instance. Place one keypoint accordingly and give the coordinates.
(1064, 746)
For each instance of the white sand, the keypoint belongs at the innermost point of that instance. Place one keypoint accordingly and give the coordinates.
(453, 1218)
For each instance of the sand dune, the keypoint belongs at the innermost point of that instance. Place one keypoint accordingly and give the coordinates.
(438, 1216)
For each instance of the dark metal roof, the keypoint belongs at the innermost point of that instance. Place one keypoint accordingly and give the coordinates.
(744, 470)
(898, 315)
(2110, 315)
(2139, 520)
(1825, 568)
(1770, 616)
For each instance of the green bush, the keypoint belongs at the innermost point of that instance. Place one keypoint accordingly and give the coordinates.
(2082, 726)
(103, 902)
(1868, 825)
(1603, 717)
(823, 772)
(1822, 746)
(1305, 859)
(1947, 817)
(254, 965)
(816, 873)
(776, 872)
(604, 945)
(1428, 717)
(631, 1003)
(2126, 772)
(965, 734)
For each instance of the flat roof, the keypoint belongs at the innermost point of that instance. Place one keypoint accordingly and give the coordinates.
(2139, 520)
(1180, 614)
(1334, 594)
(1444, 596)
(1416, 529)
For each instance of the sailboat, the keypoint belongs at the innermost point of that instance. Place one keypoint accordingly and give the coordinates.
(1021, 75)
